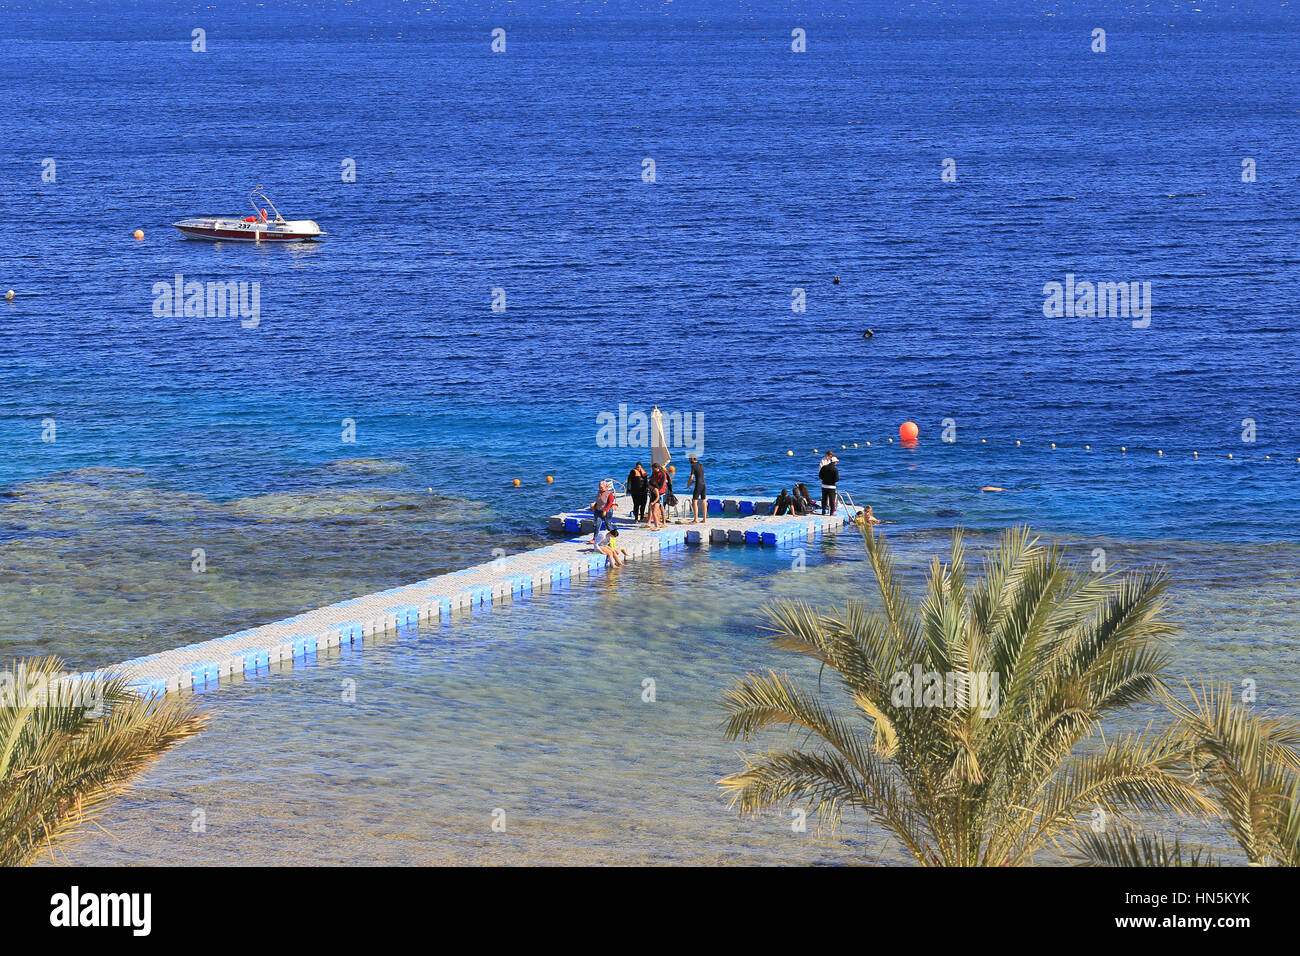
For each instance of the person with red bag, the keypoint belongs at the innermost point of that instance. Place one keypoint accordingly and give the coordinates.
(603, 509)
(658, 489)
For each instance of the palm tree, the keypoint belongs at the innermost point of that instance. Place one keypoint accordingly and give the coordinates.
(62, 759)
(1249, 764)
(962, 778)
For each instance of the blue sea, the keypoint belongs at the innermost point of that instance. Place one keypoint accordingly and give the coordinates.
(632, 204)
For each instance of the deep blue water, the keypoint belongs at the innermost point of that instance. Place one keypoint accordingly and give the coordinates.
(774, 171)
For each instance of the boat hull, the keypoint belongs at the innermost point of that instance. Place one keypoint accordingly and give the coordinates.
(228, 230)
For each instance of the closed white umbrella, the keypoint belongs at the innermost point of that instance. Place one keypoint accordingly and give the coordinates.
(658, 444)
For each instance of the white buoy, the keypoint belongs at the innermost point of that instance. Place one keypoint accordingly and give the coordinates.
(1160, 452)
(1053, 444)
(982, 441)
(9, 296)
(1087, 448)
(1123, 448)
(790, 452)
(1017, 442)
(1229, 454)
(1196, 454)
(868, 444)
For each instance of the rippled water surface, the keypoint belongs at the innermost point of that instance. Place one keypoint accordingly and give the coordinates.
(537, 709)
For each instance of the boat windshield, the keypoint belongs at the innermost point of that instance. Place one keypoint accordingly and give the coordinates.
(259, 212)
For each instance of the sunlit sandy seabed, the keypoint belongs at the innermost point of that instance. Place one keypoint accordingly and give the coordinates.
(536, 708)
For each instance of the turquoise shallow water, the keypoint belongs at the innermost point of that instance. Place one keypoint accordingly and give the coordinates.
(536, 709)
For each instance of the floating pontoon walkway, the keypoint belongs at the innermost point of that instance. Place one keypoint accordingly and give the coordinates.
(261, 649)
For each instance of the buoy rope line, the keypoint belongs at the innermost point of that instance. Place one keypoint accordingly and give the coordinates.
(1086, 447)
(1124, 451)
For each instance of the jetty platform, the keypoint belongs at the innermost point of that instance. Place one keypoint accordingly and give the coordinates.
(269, 647)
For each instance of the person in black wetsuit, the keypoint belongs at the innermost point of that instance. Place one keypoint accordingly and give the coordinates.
(638, 487)
(699, 504)
(784, 504)
(803, 501)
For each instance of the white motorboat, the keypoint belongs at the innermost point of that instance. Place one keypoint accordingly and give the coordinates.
(258, 227)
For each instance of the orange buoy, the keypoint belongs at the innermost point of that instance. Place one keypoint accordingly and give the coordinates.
(516, 482)
(672, 469)
(549, 479)
(139, 233)
(908, 431)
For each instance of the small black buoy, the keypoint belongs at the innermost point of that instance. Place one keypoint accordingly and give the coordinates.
(868, 334)
(837, 280)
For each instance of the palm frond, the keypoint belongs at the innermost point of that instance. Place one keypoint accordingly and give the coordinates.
(1122, 846)
(960, 784)
(63, 761)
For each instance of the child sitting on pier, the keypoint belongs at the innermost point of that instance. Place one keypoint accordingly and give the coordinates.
(607, 544)
(620, 554)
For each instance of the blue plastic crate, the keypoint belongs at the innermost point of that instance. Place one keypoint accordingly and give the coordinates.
(302, 645)
(148, 687)
(348, 632)
(477, 595)
(407, 614)
(203, 672)
(255, 658)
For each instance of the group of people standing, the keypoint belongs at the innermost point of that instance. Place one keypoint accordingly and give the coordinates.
(799, 502)
(652, 493)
